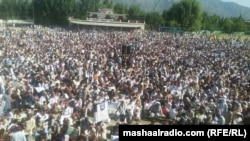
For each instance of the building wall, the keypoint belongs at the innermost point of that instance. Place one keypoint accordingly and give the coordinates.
(105, 10)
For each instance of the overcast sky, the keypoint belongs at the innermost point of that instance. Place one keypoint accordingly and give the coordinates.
(240, 2)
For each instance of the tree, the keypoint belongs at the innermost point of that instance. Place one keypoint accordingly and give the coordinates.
(25, 10)
(205, 21)
(239, 24)
(135, 13)
(52, 11)
(186, 13)
(227, 25)
(154, 20)
(212, 22)
(40, 15)
(82, 7)
(120, 9)
(173, 23)
(107, 3)
(5, 9)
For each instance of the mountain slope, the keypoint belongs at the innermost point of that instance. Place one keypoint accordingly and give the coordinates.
(217, 7)
(225, 9)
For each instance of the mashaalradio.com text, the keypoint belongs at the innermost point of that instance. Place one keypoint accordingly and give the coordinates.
(173, 132)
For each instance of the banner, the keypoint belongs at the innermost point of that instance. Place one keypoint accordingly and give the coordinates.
(101, 112)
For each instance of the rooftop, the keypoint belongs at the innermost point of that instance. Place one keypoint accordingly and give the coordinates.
(129, 24)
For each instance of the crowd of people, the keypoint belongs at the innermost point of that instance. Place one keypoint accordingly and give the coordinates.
(51, 79)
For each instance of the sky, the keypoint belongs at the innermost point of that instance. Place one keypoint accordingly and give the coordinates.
(240, 2)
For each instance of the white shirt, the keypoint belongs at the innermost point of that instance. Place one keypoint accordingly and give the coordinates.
(2, 106)
(68, 111)
(18, 136)
(43, 117)
(42, 99)
(53, 100)
(79, 103)
(172, 113)
(131, 107)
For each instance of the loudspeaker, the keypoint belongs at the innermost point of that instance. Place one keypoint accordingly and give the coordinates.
(124, 49)
(128, 49)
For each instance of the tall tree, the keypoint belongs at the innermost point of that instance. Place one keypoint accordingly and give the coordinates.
(25, 10)
(135, 13)
(187, 13)
(211, 22)
(154, 20)
(8, 9)
(52, 11)
(5, 10)
(239, 24)
(82, 7)
(120, 8)
(107, 3)
(227, 25)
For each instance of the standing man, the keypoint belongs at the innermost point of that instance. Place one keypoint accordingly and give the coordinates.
(18, 134)
(2, 105)
(30, 125)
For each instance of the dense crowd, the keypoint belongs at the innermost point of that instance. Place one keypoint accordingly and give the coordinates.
(51, 79)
